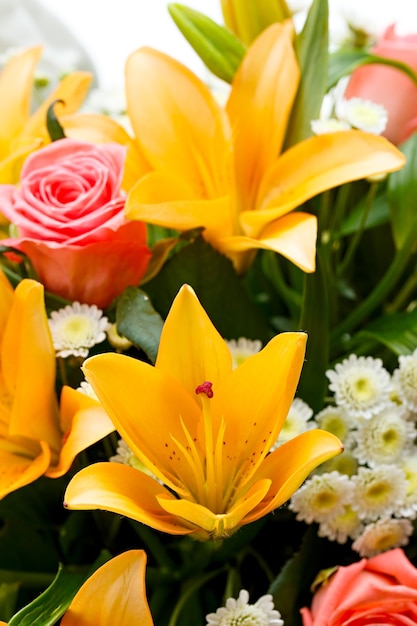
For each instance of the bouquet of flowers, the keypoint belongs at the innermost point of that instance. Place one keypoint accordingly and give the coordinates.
(208, 334)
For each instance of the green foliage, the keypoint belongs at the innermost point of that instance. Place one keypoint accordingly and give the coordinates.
(218, 48)
(402, 194)
(53, 126)
(397, 331)
(344, 62)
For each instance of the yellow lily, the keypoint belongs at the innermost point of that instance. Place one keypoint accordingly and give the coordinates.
(22, 132)
(223, 168)
(203, 430)
(36, 438)
(114, 594)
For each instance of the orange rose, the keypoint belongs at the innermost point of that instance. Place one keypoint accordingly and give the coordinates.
(380, 591)
(389, 86)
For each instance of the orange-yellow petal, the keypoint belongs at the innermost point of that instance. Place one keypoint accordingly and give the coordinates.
(28, 367)
(164, 199)
(255, 401)
(145, 404)
(16, 85)
(315, 165)
(17, 471)
(293, 236)
(259, 107)
(290, 464)
(102, 129)
(114, 595)
(191, 350)
(125, 491)
(83, 422)
(177, 121)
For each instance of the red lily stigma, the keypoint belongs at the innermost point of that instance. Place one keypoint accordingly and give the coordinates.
(206, 388)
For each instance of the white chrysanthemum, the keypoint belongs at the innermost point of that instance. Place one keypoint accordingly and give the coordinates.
(363, 114)
(379, 491)
(336, 420)
(344, 463)
(295, 423)
(408, 465)
(87, 390)
(331, 125)
(322, 497)
(242, 348)
(361, 384)
(383, 535)
(345, 526)
(384, 437)
(240, 613)
(76, 328)
(405, 380)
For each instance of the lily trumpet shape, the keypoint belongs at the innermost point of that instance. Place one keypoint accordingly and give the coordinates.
(224, 169)
(202, 429)
(36, 437)
(21, 131)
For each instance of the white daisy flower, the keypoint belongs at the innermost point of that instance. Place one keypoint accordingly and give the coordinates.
(238, 612)
(76, 328)
(408, 465)
(384, 437)
(405, 380)
(379, 491)
(361, 384)
(322, 497)
(243, 348)
(331, 125)
(336, 420)
(383, 535)
(126, 456)
(295, 423)
(363, 114)
(345, 526)
(344, 463)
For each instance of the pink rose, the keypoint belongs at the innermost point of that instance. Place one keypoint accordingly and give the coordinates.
(389, 86)
(380, 591)
(69, 214)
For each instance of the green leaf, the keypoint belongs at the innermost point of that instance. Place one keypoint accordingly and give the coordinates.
(53, 126)
(344, 62)
(312, 53)
(402, 194)
(379, 214)
(398, 332)
(217, 47)
(315, 321)
(217, 286)
(138, 321)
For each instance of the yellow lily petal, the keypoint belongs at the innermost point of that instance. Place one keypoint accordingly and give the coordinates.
(16, 84)
(6, 299)
(317, 164)
(17, 471)
(102, 129)
(11, 166)
(255, 401)
(189, 132)
(114, 594)
(293, 236)
(290, 464)
(220, 524)
(125, 491)
(167, 200)
(72, 90)
(259, 107)
(203, 354)
(28, 366)
(83, 422)
(145, 405)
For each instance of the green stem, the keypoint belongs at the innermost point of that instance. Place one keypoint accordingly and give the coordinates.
(188, 592)
(388, 282)
(290, 296)
(404, 295)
